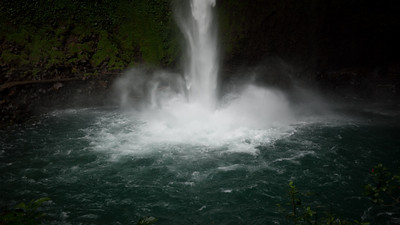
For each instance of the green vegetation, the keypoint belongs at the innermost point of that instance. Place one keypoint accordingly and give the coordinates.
(385, 187)
(28, 214)
(44, 39)
(148, 220)
(298, 213)
(383, 191)
(47, 38)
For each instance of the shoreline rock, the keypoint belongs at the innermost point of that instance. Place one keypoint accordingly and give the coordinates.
(20, 101)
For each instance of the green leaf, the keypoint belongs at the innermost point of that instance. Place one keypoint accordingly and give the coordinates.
(21, 206)
(41, 200)
(147, 220)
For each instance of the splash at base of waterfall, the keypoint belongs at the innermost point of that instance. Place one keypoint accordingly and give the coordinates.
(243, 121)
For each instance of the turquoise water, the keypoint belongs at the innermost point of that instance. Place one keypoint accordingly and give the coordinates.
(101, 166)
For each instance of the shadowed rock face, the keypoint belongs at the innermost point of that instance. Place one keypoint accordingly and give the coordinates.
(323, 34)
(349, 47)
(20, 103)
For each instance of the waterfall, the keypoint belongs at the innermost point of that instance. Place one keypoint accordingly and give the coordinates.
(185, 105)
(201, 66)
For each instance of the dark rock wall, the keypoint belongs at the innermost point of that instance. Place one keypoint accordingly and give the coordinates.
(348, 47)
(324, 34)
(21, 103)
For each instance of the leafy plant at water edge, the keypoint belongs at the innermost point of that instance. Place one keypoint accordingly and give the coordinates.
(148, 220)
(22, 213)
(297, 213)
(385, 187)
(384, 192)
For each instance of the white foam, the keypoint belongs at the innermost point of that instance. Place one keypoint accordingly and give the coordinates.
(232, 129)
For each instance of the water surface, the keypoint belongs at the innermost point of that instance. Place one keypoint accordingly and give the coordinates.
(101, 166)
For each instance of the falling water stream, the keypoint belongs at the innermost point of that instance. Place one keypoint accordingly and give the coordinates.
(176, 151)
(201, 74)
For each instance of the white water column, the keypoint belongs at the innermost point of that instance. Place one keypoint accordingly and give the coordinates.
(202, 64)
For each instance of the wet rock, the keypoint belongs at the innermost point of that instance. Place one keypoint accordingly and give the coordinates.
(103, 84)
(57, 86)
(23, 102)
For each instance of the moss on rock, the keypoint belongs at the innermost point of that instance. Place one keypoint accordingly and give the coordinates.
(73, 38)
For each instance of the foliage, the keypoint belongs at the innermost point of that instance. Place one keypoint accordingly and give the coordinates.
(38, 12)
(299, 213)
(384, 193)
(73, 37)
(147, 221)
(385, 187)
(22, 213)
(106, 51)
